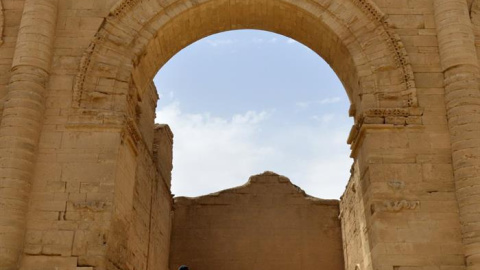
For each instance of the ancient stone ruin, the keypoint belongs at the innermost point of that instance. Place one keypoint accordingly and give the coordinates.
(266, 224)
(85, 172)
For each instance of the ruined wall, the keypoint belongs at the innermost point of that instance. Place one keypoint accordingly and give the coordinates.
(76, 152)
(141, 229)
(267, 224)
(162, 204)
(96, 221)
(356, 246)
(406, 212)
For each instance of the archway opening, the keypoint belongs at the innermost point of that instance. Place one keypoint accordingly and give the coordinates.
(243, 102)
(352, 36)
(246, 101)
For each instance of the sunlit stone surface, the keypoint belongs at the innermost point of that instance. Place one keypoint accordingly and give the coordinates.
(85, 173)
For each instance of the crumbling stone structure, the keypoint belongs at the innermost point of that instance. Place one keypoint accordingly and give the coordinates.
(266, 224)
(84, 173)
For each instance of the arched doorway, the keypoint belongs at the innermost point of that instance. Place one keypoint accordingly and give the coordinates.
(394, 154)
(245, 101)
(239, 103)
(352, 36)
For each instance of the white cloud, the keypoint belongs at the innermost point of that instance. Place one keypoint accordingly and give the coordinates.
(220, 42)
(291, 41)
(250, 117)
(225, 42)
(261, 40)
(213, 153)
(326, 118)
(303, 104)
(330, 100)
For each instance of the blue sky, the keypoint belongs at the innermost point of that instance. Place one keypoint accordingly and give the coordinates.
(244, 102)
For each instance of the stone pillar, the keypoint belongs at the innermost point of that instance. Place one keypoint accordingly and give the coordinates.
(462, 95)
(21, 123)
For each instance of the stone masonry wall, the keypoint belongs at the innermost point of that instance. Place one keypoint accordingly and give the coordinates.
(11, 14)
(82, 217)
(84, 173)
(266, 224)
(354, 228)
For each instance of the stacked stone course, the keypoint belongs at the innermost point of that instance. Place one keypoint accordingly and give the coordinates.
(268, 223)
(85, 174)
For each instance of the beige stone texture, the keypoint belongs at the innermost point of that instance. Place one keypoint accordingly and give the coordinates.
(85, 174)
(268, 223)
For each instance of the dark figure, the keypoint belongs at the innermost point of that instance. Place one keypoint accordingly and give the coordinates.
(183, 267)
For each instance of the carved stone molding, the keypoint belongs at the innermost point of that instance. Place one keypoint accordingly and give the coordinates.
(391, 39)
(384, 112)
(396, 184)
(122, 8)
(394, 206)
(85, 63)
(394, 42)
(382, 119)
(369, 8)
(94, 206)
(386, 116)
(132, 130)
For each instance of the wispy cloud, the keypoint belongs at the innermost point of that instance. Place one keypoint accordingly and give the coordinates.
(253, 41)
(330, 100)
(166, 94)
(291, 41)
(303, 104)
(262, 40)
(221, 42)
(324, 119)
(212, 153)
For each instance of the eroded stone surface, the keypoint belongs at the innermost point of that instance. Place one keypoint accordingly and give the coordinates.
(268, 223)
(85, 174)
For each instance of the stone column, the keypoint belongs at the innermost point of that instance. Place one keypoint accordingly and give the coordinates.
(21, 123)
(462, 95)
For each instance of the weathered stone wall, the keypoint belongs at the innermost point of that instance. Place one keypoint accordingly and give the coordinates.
(77, 162)
(140, 232)
(356, 246)
(11, 14)
(403, 188)
(266, 224)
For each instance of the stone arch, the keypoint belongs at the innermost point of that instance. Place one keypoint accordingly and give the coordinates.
(353, 36)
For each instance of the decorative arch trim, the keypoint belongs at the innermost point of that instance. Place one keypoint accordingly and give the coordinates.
(389, 74)
(393, 40)
(367, 6)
